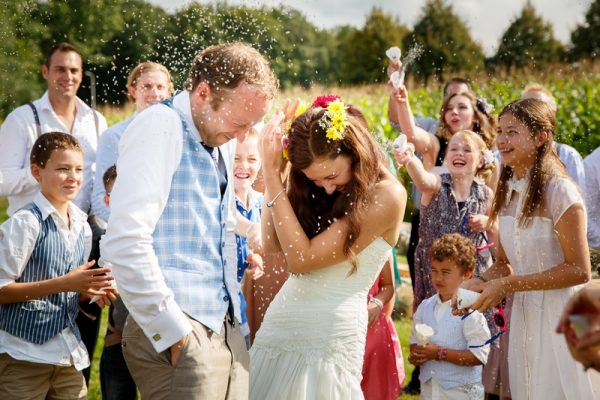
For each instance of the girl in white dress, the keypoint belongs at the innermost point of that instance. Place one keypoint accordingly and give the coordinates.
(336, 223)
(543, 255)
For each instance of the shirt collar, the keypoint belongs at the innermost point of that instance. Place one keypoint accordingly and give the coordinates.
(48, 209)
(80, 105)
(439, 301)
(252, 198)
(181, 102)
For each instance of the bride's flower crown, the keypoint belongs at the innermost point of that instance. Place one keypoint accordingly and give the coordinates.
(333, 122)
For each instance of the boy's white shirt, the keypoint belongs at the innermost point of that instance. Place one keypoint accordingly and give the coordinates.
(475, 329)
(18, 236)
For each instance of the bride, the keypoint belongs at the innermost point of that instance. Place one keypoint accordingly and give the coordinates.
(336, 222)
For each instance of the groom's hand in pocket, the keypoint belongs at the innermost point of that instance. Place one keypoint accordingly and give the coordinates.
(175, 350)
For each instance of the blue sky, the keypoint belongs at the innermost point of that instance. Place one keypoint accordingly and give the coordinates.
(487, 19)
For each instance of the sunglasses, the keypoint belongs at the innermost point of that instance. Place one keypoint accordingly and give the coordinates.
(499, 320)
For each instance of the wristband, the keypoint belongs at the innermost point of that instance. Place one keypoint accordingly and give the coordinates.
(270, 204)
(442, 354)
(481, 277)
(377, 302)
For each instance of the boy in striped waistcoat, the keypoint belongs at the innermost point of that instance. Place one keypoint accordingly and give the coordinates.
(43, 248)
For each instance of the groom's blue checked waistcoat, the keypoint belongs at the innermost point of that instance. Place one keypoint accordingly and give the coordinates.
(39, 320)
(190, 236)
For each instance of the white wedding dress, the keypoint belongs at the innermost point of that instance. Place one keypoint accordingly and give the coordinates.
(311, 343)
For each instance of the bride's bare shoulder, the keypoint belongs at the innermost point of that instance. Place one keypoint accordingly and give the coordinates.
(389, 191)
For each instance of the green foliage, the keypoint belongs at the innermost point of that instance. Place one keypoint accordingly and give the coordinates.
(20, 56)
(586, 37)
(115, 35)
(446, 40)
(528, 42)
(362, 52)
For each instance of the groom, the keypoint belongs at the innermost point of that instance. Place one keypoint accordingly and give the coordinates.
(170, 233)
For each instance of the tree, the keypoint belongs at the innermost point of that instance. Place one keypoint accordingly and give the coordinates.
(586, 37)
(362, 54)
(528, 42)
(20, 55)
(447, 44)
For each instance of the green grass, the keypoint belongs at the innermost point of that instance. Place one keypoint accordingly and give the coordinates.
(3, 207)
(94, 392)
(403, 327)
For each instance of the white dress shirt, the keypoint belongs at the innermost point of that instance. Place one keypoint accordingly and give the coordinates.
(592, 197)
(107, 155)
(19, 132)
(573, 163)
(18, 236)
(475, 329)
(149, 154)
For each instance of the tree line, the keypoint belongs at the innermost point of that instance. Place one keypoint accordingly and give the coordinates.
(115, 35)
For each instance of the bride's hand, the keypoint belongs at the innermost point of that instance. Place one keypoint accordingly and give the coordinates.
(271, 149)
(374, 312)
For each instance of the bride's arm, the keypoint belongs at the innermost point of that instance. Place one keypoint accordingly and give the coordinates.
(269, 236)
(384, 216)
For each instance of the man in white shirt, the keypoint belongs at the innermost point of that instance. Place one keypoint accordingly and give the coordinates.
(170, 231)
(58, 110)
(592, 198)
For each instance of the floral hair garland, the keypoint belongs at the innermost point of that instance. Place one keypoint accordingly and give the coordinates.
(333, 122)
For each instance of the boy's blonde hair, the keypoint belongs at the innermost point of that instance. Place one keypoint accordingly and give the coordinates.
(456, 248)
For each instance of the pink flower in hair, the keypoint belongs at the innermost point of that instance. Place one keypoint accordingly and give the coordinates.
(323, 101)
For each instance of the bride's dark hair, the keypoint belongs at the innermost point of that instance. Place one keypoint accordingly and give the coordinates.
(315, 209)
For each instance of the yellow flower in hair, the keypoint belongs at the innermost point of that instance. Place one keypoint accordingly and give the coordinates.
(334, 134)
(302, 107)
(334, 121)
(338, 121)
(336, 107)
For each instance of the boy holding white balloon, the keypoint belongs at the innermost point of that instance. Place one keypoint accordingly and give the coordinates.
(451, 350)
